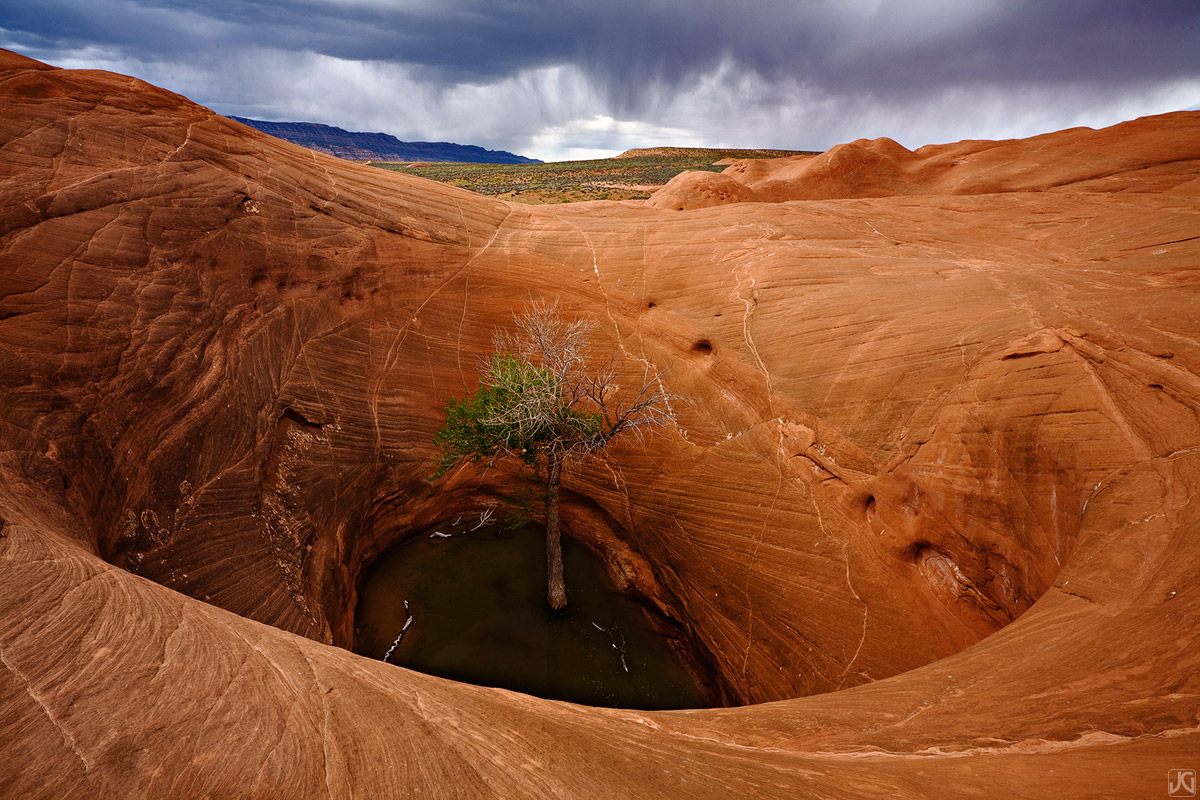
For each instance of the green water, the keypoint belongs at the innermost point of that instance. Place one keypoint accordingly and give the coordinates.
(479, 615)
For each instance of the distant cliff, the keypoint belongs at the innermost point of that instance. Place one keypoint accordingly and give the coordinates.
(362, 146)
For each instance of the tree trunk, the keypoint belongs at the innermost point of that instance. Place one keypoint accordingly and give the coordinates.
(556, 588)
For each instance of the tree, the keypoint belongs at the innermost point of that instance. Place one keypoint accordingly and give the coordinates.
(537, 402)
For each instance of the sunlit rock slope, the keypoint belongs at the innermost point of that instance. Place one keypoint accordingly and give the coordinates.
(932, 486)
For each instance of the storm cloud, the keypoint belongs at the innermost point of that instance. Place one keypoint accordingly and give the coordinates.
(576, 78)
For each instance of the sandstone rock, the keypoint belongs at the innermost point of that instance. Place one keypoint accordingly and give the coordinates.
(931, 488)
(700, 189)
(1147, 158)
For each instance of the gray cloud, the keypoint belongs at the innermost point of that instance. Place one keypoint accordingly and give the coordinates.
(512, 73)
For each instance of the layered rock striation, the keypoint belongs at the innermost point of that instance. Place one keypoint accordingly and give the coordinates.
(931, 487)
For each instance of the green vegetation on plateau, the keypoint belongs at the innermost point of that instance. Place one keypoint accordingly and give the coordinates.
(630, 176)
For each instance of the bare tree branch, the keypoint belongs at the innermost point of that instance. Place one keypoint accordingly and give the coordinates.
(537, 401)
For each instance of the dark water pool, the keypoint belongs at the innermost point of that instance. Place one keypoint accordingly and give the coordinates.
(478, 606)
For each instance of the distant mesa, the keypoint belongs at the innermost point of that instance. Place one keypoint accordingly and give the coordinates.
(718, 154)
(364, 146)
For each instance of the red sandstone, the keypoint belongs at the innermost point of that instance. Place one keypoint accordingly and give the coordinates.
(932, 489)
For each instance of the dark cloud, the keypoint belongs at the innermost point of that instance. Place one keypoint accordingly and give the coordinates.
(638, 57)
(835, 43)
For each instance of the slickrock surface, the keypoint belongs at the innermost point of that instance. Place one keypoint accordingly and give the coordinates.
(931, 397)
(1151, 157)
(693, 189)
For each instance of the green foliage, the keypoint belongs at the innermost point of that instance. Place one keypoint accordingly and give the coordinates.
(626, 178)
(465, 434)
(545, 414)
(518, 507)
(519, 410)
